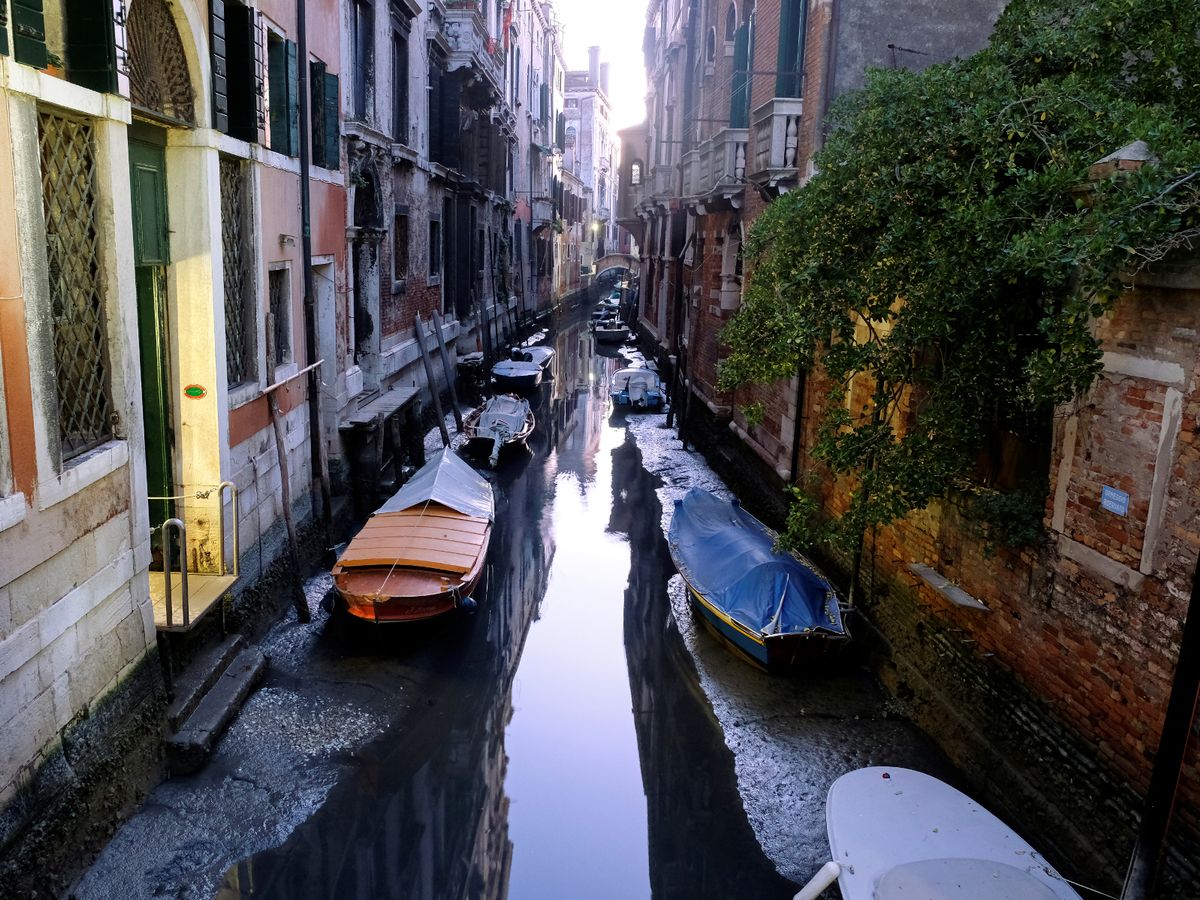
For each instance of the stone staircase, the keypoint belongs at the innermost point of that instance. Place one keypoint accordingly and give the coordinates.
(207, 697)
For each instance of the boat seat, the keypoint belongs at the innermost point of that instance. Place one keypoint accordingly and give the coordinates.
(957, 878)
(436, 538)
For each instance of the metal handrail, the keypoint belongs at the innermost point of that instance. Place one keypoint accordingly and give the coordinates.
(178, 524)
(233, 496)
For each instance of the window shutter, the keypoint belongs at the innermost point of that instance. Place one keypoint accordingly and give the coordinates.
(29, 33)
(91, 45)
(277, 89)
(333, 156)
(739, 108)
(220, 82)
(4, 26)
(260, 68)
(293, 99)
(316, 110)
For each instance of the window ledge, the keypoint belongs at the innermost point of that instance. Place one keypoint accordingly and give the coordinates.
(241, 394)
(399, 285)
(82, 472)
(432, 280)
(12, 510)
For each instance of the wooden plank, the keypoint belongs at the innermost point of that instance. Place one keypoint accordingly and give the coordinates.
(204, 593)
(442, 527)
(456, 564)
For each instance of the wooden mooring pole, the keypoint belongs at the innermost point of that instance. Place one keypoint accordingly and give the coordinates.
(447, 369)
(285, 487)
(419, 329)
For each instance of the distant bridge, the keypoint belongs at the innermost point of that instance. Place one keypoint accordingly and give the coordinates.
(616, 261)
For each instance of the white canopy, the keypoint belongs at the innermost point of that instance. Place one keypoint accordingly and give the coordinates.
(447, 480)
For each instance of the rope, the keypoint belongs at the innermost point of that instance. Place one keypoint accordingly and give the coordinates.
(199, 495)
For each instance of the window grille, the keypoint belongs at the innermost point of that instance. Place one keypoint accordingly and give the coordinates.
(158, 75)
(81, 366)
(239, 280)
(280, 288)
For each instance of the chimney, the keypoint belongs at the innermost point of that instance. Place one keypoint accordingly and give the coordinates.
(604, 77)
(594, 65)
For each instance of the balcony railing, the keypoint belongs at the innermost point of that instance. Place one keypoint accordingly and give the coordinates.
(777, 141)
(471, 45)
(718, 166)
(543, 211)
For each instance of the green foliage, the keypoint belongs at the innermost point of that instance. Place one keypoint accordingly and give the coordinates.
(1007, 519)
(946, 259)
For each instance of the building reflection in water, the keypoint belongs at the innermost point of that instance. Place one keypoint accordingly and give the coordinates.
(701, 844)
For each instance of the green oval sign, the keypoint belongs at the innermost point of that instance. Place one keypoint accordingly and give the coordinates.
(195, 391)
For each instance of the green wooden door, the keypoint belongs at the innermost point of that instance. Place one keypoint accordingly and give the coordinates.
(148, 189)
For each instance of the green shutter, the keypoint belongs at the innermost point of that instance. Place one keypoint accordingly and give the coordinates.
(333, 158)
(277, 90)
(29, 33)
(293, 99)
(739, 102)
(220, 73)
(91, 45)
(316, 111)
(3, 26)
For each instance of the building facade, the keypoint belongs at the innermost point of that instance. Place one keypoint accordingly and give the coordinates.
(1061, 652)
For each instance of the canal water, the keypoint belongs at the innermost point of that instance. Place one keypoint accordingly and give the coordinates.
(556, 743)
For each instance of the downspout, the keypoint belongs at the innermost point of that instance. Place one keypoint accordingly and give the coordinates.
(316, 435)
(1168, 761)
(798, 427)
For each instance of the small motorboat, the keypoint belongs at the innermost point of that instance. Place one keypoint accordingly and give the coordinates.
(611, 331)
(774, 609)
(636, 387)
(543, 356)
(501, 420)
(517, 374)
(896, 833)
(421, 554)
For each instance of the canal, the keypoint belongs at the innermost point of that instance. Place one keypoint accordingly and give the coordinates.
(567, 739)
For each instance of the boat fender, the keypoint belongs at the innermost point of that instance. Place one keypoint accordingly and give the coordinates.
(468, 604)
(825, 876)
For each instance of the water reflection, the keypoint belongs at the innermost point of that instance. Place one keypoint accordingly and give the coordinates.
(537, 783)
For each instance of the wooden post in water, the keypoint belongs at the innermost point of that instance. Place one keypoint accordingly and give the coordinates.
(285, 487)
(447, 369)
(419, 329)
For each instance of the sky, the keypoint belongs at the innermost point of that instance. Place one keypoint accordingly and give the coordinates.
(617, 27)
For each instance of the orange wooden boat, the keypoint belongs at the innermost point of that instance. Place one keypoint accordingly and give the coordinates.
(420, 554)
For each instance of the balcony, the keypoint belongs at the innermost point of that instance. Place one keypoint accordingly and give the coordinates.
(718, 168)
(777, 142)
(662, 181)
(471, 46)
(691, 173)
(543, 211)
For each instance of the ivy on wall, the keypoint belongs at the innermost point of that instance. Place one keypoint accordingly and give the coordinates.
(945, 266)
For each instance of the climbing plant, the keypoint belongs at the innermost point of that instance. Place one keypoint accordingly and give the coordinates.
(943, 270)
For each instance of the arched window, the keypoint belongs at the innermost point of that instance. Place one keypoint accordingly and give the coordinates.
(731, 23)
(710, 46)
(635, 173)
(570, 137)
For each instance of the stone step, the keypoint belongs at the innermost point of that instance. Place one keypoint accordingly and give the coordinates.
(188, 749)
(201, 674)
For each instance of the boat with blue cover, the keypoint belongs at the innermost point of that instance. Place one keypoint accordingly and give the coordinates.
(637, 387)
(774, 609)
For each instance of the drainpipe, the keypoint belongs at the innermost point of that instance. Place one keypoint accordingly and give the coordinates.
(798, 428)
(1168, 761)
(316, 431)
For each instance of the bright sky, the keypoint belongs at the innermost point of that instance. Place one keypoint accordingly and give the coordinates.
(617, 27)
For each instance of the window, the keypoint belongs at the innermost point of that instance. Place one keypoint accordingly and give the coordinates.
(236, 256)
(283, 93)
(324, 114)
(280, 291)
(236, 62)
(635, 174)
(77, 302)
(364, 58)
(731, 23)
(435, 248)
(789, 80)
(399, 80)
(400, 246)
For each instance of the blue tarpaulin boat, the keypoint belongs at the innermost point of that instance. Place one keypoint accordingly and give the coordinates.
(775, 608)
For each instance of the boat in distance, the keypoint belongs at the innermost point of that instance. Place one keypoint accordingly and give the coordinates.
(774, 609)
(421, 554)
(524, 369)
(898, 834)
(637, 387)
(500, 420)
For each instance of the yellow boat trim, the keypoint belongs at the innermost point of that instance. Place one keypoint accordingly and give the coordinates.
(732, 623)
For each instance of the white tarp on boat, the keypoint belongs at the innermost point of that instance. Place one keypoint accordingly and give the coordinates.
(447, 480)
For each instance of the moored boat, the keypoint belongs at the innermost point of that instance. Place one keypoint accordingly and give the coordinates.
(895, 833)
(637, 387)
(421, 554)
(501, 420)
(521, 375)
(774, 609)
(611, 331)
